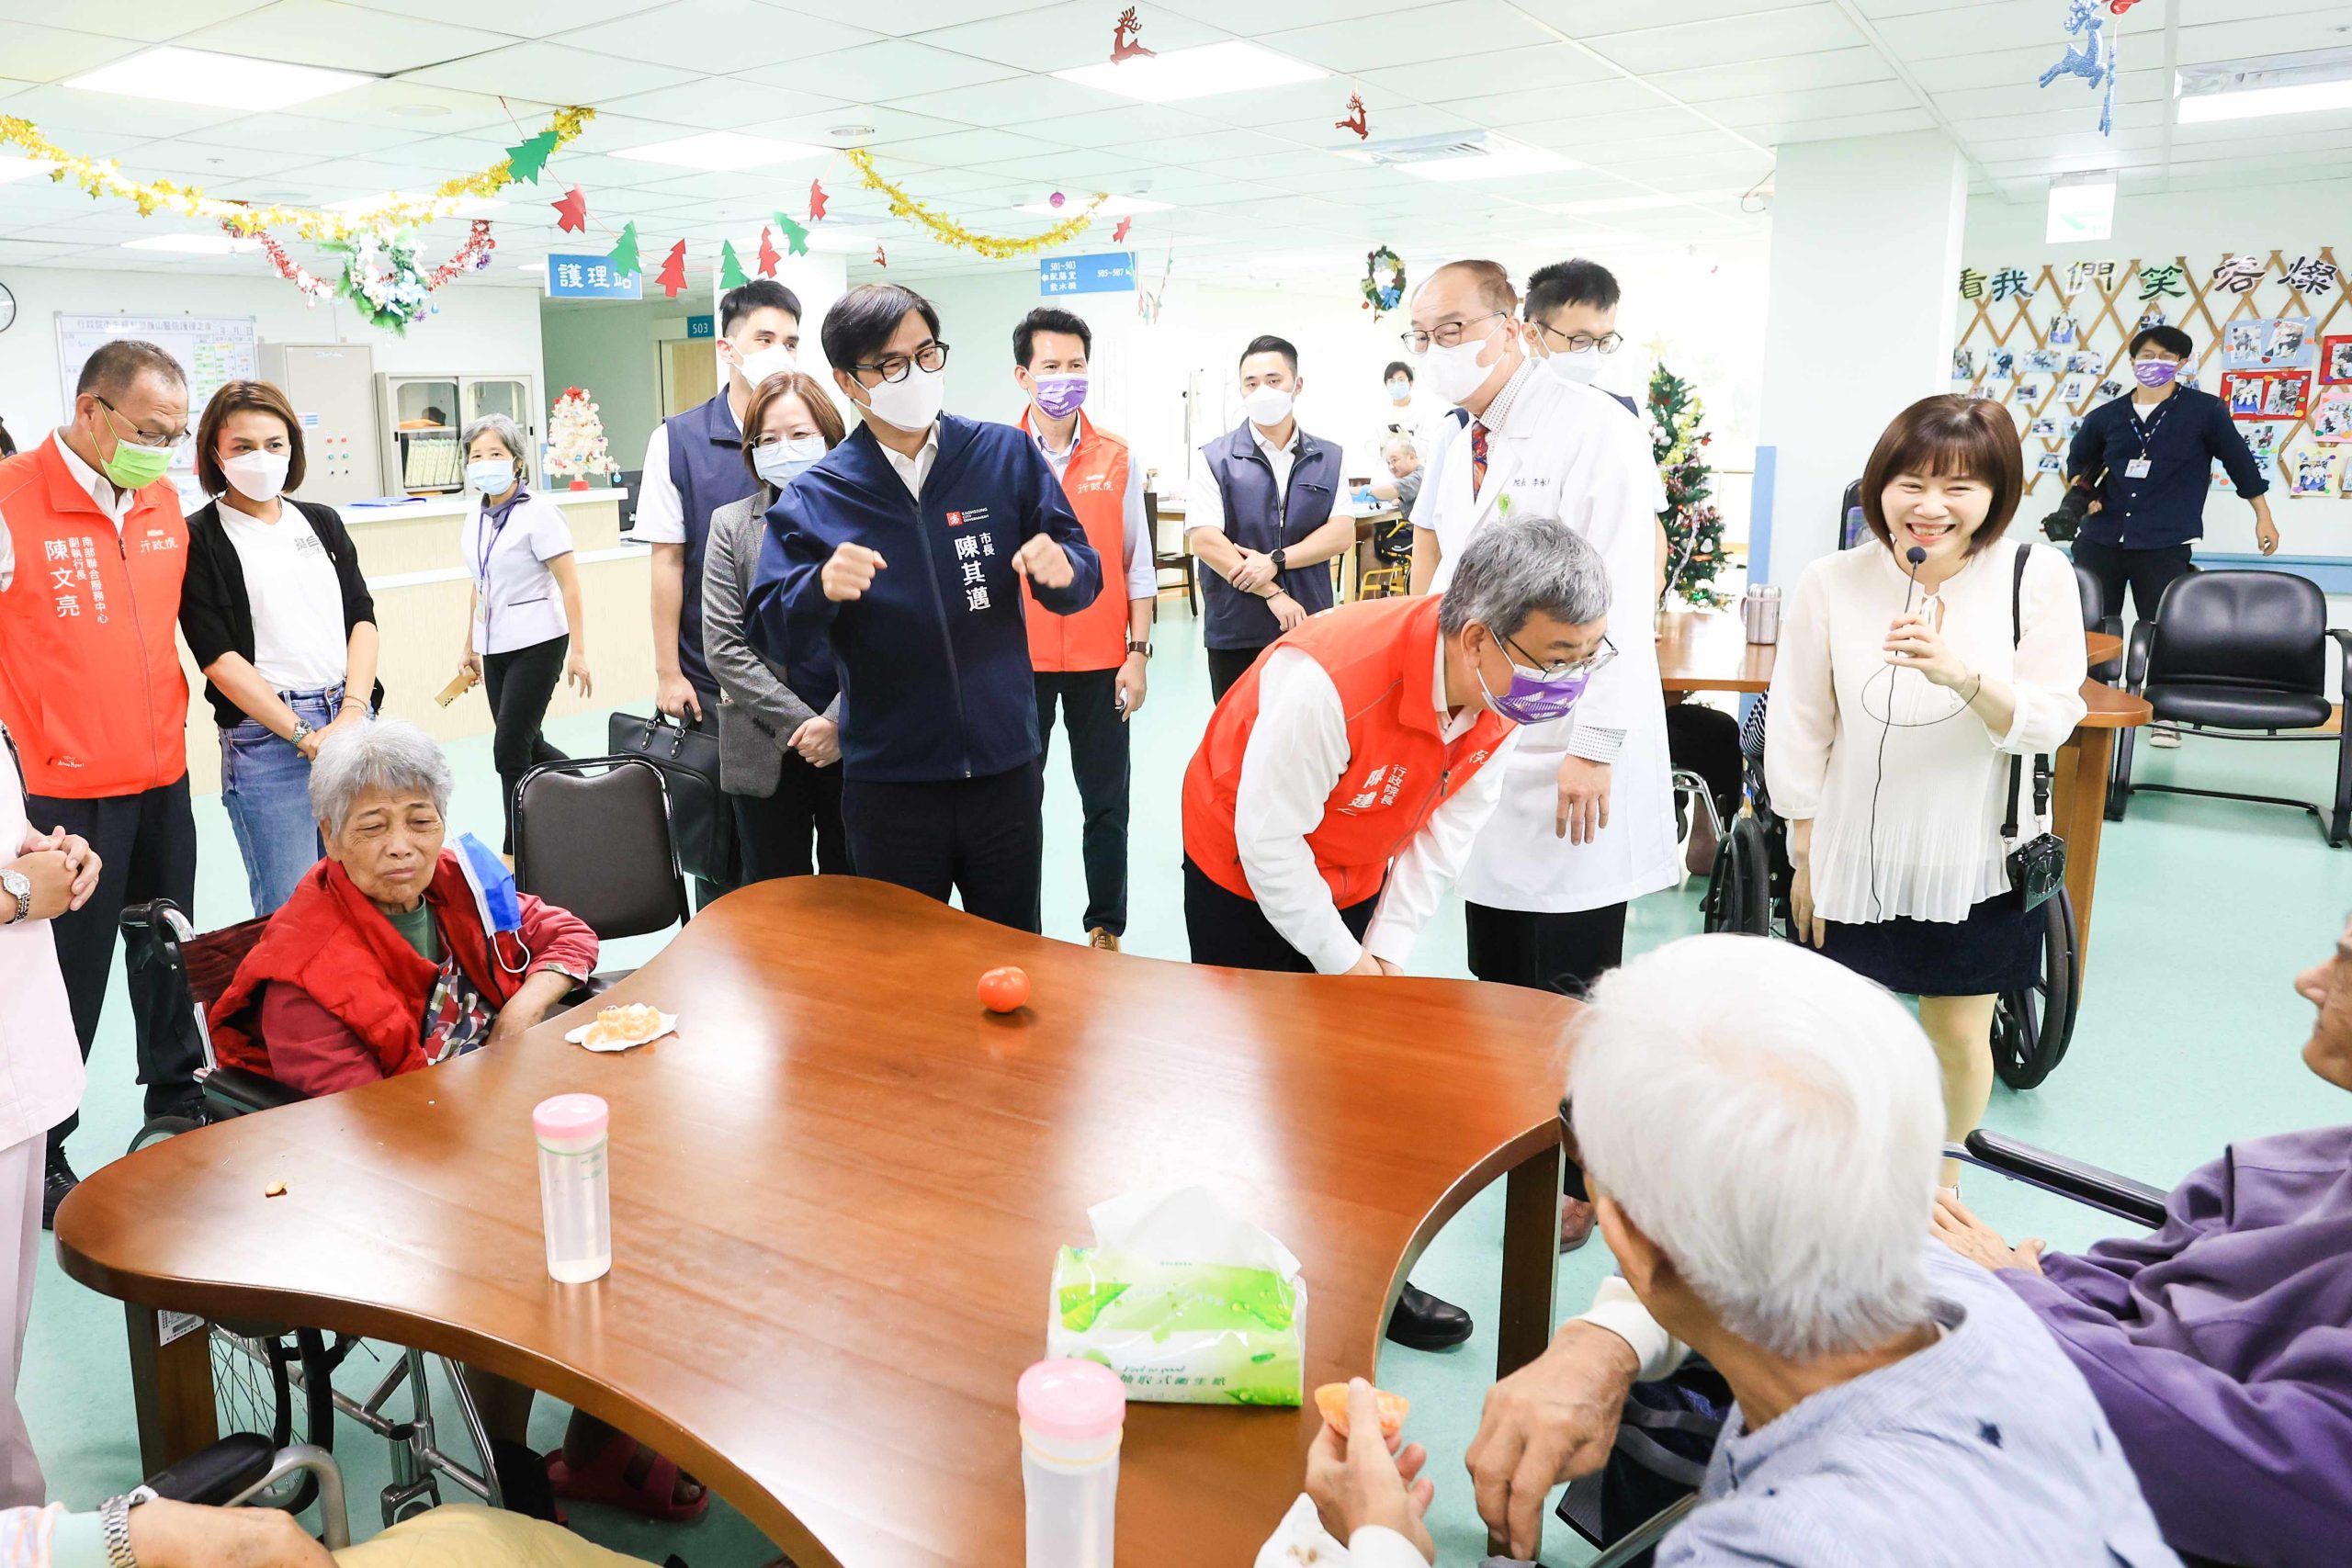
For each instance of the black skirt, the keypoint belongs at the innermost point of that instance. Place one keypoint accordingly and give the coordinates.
(1996, 948)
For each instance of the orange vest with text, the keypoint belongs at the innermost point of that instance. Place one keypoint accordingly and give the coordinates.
(1096, 484)
(90, 679)
(1382, 655)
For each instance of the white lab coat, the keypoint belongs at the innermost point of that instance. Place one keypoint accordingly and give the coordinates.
(1570, 453)
(41, 1062)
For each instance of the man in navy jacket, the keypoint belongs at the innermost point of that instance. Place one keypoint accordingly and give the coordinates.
(895, 557)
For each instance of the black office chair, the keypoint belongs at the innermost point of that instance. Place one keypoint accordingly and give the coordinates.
(1164, 562)
(629, 480)
(2245, 654)
(592, 835)
(2096, 618)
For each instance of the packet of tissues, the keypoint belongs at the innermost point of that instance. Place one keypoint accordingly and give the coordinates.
(1187, 1304)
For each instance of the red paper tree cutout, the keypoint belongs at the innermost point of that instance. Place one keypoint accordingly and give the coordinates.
(768, 258)
(1355, 121)
(674, 271)
(571, 212)
(879, 259)
(1121, 231)
(816, 201)
(1123, 34)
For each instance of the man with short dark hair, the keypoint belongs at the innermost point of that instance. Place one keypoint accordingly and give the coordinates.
(2147, 459)
(1572, 318)
(1263, 523)
(92, 550)
(899, 555)
(1091, 664)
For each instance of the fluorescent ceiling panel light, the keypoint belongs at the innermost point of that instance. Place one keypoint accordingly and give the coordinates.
(194, 244)
(465, 209)
(1476, 156)
(723, 152)
(2082, 208)
(173, 75)
(2255, 89)
(1116, 207)
(1204, 70)
(21, 168)
(823, 237)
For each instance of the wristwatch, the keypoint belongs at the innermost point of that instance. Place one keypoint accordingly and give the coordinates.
(1142, 648)
(16, 887)
(301, 728)
(1280, 557)
(114, 1525)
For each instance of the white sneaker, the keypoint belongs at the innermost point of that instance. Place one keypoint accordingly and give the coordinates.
(2164, 737)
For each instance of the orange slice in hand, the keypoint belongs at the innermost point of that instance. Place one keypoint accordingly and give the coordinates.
(1331, 1399)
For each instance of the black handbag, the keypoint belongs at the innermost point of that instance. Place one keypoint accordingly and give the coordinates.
(701, 825)
(2036, 868)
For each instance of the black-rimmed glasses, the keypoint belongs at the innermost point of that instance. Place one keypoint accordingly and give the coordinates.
(931, 359)
(1580, 343)
(1564, 671)
(1447, 334)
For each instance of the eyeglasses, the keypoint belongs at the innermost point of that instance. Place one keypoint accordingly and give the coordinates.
(1562, 669)
(138, 437)
(1447, 334)
(931, 358)
(1580, 343)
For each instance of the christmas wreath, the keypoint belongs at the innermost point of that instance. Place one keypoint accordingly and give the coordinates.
(1383, 295)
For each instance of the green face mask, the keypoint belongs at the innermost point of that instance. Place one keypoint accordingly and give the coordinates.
(133, 467)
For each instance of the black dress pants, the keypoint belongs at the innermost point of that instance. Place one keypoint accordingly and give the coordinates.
(521, 683)
(1233, 932)
(1228, 665)
(774, 833)
(1544, 951)
(146, 846)
(1098, 763)
(2147, 572)
(982, 839)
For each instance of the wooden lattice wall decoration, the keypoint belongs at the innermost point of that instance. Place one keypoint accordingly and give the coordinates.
(2086, 313)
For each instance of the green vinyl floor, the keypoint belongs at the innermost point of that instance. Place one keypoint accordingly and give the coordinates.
(2188, 1038)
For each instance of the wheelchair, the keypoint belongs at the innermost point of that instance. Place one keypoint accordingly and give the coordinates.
(1748, 891)
(275, 1383)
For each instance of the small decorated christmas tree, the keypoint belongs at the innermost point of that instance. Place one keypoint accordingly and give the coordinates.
(576, 446)
(1694, 529)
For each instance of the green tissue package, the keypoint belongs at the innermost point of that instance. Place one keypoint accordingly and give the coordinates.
(1187, 1304)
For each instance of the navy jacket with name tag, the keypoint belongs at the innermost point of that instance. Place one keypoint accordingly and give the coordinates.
(933, 661)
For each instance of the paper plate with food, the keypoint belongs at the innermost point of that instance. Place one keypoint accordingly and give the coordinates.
(619, 1028)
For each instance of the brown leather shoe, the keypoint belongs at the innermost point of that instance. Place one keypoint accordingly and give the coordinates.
(1103, 939)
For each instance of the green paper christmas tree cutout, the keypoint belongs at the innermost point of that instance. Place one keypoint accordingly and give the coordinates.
(731, 271)
(624, 254)
(523, 163)
(795, 238)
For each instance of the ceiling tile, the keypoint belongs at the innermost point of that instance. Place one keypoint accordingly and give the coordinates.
(885, 71)
(1985, 25)
(90, 115)
(1013, 99)
(345, 37)
(412, 106)
(719, 103)
(703, 35)
(1543, 66)
(319, 138)
(963, 148)
(1056, 37)
(1993, 68)
(902, 18)
(1751, 35)
(1780, 109)
(1077, 172)
(1891, 122)
(1504, 111)
(148, 21)
(1593, 18)
(854, 125)
(1700, 84)
(552, 74)
(1181, 151)
(521, 18)
(1594, 130)
(33, 53)
(1246, 18)
(1444, 31)
(1396, 124)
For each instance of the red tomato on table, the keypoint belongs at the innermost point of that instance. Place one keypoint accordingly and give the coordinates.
(1005, 990)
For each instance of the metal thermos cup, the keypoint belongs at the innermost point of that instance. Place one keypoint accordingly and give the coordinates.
(1759, 612)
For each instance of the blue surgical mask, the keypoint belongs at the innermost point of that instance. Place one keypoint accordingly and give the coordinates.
(779, 462)
(492, 476)
(496, 898)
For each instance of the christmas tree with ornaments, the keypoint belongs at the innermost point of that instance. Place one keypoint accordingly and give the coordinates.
(576, 446)
(1695, 529)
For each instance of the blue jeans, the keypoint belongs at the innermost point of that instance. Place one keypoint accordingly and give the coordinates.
(265, 784)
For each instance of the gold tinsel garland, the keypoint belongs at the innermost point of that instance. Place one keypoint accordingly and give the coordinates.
(948, 232)
(104, 177)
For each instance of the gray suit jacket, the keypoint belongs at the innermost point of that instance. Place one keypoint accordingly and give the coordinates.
(757, 712)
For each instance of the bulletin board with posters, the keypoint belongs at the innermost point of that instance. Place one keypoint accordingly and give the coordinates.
(212, 351)
(2051, 343)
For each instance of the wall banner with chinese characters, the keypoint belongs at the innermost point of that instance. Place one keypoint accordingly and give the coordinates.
(2050, 341)
(591, 277)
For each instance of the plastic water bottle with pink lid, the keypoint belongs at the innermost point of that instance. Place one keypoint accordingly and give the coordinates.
(1072, 1416)
(575, 1186)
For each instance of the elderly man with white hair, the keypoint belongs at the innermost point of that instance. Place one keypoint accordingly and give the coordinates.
(1761, 1129)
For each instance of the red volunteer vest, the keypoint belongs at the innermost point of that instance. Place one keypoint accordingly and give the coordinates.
(1096, 484)
(1380, 654)
(90, 678)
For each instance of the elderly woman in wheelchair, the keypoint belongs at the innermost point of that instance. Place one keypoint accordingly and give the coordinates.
(397, 952)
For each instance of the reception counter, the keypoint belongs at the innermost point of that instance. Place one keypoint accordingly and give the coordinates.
(416, 572)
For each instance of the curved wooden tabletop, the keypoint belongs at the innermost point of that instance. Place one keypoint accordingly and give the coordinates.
(837, 1194)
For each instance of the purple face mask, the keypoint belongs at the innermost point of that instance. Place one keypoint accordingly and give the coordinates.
(1059, 396)
(1533, 700)
(2155, 373)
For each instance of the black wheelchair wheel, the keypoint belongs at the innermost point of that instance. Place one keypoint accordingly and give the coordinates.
(2032, 1025)
(278, 1383)
(1739, 892)
(160, 1127)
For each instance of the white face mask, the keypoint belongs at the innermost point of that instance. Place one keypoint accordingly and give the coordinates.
(1577, 368)
(779, 461)
(1267, 407)
(911, 404)
(492, 476)
(761, 364)
(1455, 373)
(259, 477)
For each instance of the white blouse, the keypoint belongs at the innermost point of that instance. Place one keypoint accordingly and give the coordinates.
(1920, 836)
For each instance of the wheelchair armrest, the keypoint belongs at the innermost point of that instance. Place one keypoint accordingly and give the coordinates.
(238, 1091)
(2343, 644)
(217, 1475)
(2135, 655)
(2083, 1183)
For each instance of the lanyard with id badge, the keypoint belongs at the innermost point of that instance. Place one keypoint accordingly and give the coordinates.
(2140, 467)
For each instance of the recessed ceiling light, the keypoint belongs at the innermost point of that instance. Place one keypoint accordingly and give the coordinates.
(420, 111)
(849, 131)
(175, 75)
(1474, 157)
(466, 208)
(825, 237)
(194, 244)
(1116, 207)
(720, 152)
(13, 168)
(2253, 89)
(1232, 66)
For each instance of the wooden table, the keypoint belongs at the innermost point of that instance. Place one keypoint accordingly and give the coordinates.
(1709, 651)
(837, 1195)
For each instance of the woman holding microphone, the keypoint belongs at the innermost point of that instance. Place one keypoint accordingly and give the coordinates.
(1914, 669)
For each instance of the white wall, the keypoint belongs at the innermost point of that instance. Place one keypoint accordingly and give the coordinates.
(480, 327)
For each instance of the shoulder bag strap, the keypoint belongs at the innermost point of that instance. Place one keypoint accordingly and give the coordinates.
(2042, 760)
